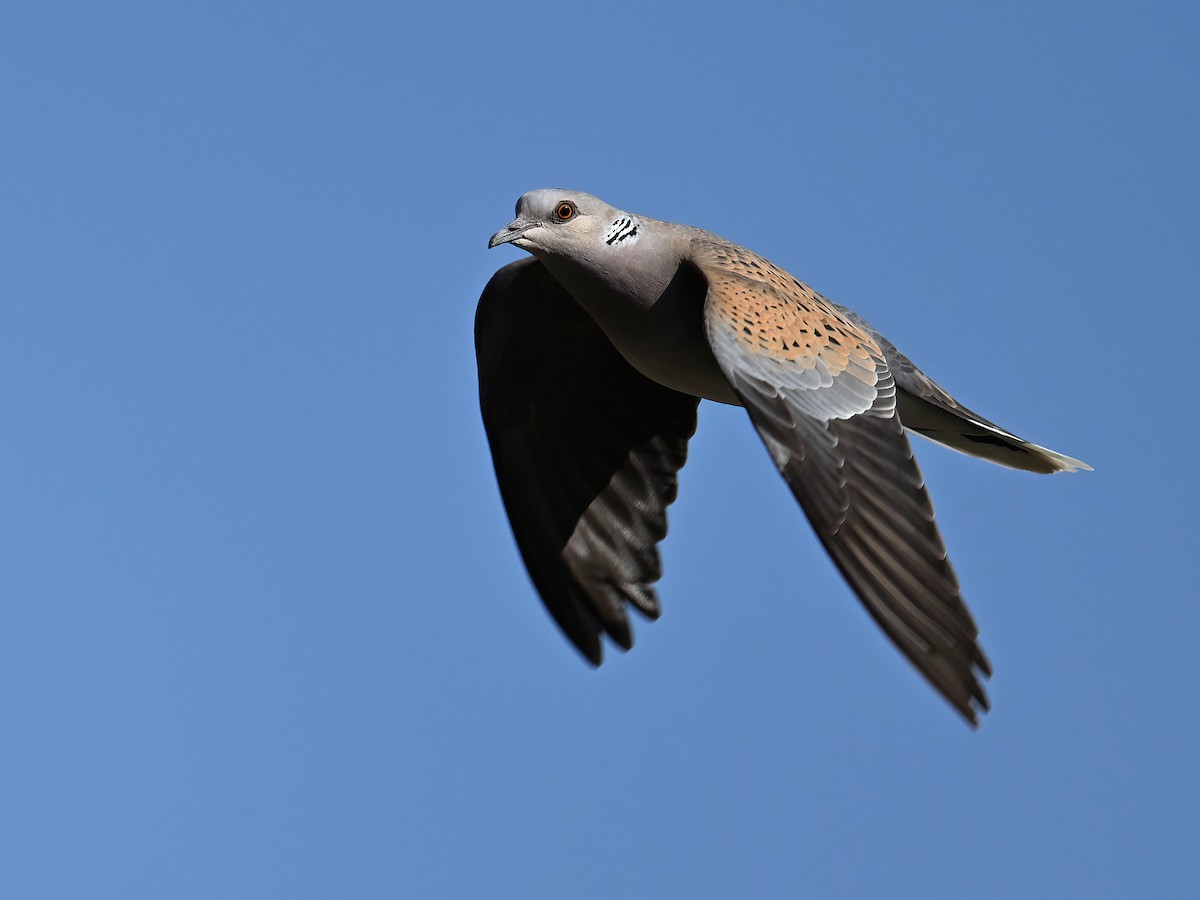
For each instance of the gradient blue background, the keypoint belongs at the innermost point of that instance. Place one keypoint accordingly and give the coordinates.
(263, 629)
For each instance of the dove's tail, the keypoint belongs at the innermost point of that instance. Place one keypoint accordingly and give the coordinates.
(962, 430)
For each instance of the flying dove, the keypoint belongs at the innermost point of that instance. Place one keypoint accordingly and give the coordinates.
(593, 356)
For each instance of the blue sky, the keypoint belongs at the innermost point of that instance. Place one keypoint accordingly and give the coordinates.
(264, 632)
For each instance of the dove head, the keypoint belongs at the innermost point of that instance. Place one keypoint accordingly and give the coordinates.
(557, 222)
(633, 276)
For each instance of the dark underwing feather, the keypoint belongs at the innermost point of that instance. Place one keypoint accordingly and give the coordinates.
(857, 481)
(586, 450)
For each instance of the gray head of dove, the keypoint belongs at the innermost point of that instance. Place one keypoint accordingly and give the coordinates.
(602, 255)
(567, 223)
(632, 276)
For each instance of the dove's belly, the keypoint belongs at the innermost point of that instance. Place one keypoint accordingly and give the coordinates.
(660, 333)
(666, 344)
(689, 368)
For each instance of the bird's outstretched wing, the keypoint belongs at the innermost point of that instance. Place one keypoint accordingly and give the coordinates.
(820, 393)
(586, 451)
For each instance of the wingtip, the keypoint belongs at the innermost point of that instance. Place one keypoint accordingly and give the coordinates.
(973, 708)
(593, 653)
(593, 656)
(976, 707)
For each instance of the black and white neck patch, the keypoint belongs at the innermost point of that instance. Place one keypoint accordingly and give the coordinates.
(624, 230)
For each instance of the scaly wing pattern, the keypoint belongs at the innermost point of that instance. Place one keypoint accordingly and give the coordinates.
(819, 391)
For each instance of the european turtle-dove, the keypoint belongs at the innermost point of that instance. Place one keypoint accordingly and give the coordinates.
(593, 356)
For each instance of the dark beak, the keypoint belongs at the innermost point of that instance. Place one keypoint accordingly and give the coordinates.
(514, 230)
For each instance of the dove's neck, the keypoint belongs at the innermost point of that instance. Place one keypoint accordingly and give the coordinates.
(649, 301)
(624, 279)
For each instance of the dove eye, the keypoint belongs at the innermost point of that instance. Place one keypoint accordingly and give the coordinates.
(565, 210)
